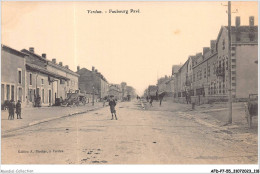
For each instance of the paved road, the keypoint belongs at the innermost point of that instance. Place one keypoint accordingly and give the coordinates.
(137, 137)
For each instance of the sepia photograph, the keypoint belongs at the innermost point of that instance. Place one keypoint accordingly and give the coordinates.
(91, 83)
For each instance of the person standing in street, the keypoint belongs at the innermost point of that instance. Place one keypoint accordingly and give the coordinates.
(18, 109)
(112, 104)
(11, 110)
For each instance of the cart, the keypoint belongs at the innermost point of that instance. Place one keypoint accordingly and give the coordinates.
(74, 99)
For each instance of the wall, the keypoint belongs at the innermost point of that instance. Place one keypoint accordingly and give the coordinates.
(10, 64)
(246, 70)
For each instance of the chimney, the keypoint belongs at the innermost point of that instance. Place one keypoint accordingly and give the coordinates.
(198, 54)
(60, 63)
(251, 21)
(93, 68)
(44, 55)
(96, 70)
(78, 68)
(31, 49)
(53, 60)
(67, 66)
(237, 21)
(205, 50)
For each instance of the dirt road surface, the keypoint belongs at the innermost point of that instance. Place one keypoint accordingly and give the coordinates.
(138, 137)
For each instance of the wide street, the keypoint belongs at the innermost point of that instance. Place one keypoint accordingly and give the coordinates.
(138, 136)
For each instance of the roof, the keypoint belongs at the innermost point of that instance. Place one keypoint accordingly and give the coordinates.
(50, 62)
(45, 71)
(62, 68)
(85, 70)
(29, 52)
(240, 29)
(13, 51)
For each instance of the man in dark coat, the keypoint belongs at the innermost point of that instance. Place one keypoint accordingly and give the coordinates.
(18, 109)
(112, 104)
(11, 110)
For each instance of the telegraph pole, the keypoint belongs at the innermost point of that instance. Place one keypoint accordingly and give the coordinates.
(229, 65)
(93, 96)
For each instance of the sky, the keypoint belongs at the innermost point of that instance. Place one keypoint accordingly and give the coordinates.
(137, 48)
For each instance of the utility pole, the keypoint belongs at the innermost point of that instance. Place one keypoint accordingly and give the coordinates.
(93, 96)
(229, 65)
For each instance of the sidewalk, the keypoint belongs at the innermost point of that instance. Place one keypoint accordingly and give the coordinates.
(33, 116)
(216, 113)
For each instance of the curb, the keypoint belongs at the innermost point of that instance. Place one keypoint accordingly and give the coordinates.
(49, 119)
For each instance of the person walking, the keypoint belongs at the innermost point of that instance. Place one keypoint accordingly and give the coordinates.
(18, 109)
(112, 104)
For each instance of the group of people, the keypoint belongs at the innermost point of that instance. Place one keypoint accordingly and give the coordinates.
(12, 108)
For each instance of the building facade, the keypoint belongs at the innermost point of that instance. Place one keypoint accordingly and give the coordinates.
(115, 90)
(47, 80)
(93, 82)
(13, 74)
(209, 81)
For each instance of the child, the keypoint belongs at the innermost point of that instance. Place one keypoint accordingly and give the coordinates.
(112, 104)
(18, 109)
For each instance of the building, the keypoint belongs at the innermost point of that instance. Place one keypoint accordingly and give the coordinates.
(209, 81)
(46, 79)
(93, 82)
(115, 90)
(244, 53)
(166, 84)
(13, 71)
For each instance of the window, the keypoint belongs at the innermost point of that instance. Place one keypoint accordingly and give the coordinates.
(251, 36)
(208, 71)
(233, 66)
(42, 95)
(237, 36)
(42, 81)
(233, 48)
(220, 87)
(19, 77)
(233, 72)
(30, 78)
(7, 92)
(233, 60)
(205, 72)
(227, 65)
(233, 78)
(233, 84)
(2, 93)
(12, 92)
(223, 44)
(20, 94)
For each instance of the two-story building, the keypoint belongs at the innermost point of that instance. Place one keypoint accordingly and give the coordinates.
(13, 72)
(46, 79)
